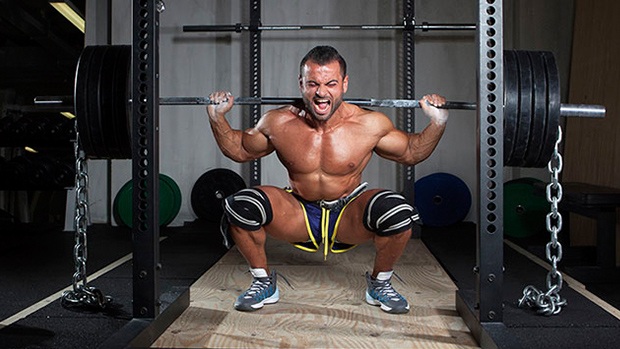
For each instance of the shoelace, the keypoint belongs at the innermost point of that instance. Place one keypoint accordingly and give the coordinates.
(385, 288)
(258, 285)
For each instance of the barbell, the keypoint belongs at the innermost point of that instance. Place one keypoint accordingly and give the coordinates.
(532, 108)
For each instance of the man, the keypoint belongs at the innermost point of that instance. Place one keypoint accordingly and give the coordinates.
(325, 145)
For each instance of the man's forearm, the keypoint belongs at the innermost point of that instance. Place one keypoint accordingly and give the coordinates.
(424, 143)
(228, 139)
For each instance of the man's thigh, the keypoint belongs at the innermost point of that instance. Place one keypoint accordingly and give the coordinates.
(288, 221)
(351, 229)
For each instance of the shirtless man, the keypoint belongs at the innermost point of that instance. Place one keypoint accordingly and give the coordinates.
(325, 145)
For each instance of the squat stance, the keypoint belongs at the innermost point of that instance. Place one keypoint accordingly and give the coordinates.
(325, 145)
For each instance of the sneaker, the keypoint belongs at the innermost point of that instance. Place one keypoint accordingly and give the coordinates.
(263, 290)
(380, 292)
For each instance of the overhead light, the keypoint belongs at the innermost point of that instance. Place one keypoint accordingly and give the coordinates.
(67, 114)
(30, 150)
(70, 14)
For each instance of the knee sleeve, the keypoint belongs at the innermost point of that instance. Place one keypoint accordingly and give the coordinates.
(388, 213)
(248, 209)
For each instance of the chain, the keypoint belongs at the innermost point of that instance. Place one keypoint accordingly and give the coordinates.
(82, 294)
(550, 302)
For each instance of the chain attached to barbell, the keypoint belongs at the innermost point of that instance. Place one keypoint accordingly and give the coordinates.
(550, 302)
(82, 294)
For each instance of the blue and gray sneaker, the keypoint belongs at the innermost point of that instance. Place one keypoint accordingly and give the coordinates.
(263, 290)
(380, 292)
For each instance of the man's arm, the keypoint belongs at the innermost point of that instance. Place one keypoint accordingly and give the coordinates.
(235, 144)
(412, 148)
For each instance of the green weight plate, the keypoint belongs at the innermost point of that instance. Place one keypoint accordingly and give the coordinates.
(175, 199)
(524, 210)
(169, 202)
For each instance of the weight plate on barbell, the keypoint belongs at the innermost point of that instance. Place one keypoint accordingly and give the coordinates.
(553, 109)
(95, 93)
(106, 100)
(539, 109)
(102, 90)
(525, 108)
(211, 189)
(80, 98)
(511, 100)
(119, 116)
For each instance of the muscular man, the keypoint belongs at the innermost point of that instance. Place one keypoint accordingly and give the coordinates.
(325, 145)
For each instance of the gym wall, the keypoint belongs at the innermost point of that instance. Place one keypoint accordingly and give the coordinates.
(194, 64)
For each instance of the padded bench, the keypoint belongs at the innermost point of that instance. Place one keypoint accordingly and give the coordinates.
(599, 203)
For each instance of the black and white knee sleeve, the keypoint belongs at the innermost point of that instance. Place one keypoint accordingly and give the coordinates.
(388, 213)
(248, 209)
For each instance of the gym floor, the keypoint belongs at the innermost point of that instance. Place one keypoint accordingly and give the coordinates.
(36, 263)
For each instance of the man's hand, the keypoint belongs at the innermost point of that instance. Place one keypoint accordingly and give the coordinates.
(223, 104)
(428, 103)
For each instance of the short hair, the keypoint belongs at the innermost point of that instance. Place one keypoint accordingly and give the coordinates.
(323, 55)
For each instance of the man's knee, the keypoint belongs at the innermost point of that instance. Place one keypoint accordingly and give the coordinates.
(248, 209)
(388, 213)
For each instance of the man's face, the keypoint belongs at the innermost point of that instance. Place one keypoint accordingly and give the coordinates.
(322, 88)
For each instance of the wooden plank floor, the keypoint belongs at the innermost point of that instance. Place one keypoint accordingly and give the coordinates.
(326, 306)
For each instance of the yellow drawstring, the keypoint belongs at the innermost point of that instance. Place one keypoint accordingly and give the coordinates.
(324, 231)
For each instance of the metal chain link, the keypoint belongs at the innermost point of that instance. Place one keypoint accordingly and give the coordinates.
(550, 302)
(82, 294)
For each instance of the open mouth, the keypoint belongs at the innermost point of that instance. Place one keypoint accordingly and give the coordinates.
(321, 106)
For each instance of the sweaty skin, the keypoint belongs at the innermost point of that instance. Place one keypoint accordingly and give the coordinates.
(325, 144)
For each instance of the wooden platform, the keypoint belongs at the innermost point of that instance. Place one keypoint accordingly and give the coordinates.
(326, 306)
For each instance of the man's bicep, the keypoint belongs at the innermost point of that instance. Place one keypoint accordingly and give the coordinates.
(255, 143)
(394, 145)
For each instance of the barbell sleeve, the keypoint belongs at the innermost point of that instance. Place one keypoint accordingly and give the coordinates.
(582, 110)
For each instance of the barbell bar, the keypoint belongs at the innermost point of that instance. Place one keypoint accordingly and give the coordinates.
(566, 110)
(102, 103)
(239, 27)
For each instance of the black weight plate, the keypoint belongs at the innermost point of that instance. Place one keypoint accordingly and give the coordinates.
(107, 96)
(553, 109)
(209, 191)
(525, 108)
(94, 105)
(539, 110)
(102, 68)
(511, 100)
(80, 94)
(92, 115)
(122, 94)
